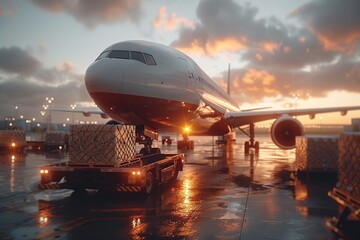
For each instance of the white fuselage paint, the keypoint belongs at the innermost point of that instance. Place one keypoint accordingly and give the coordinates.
(172, 94)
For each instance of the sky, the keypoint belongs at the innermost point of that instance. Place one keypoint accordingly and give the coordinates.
(283, 54)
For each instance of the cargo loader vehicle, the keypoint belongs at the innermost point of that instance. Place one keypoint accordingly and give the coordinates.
(103, 157)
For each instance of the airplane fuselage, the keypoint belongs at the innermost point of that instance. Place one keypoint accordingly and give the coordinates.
(143, 83)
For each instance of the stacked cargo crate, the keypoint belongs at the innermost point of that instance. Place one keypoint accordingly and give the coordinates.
(316, 154)
(101, 145)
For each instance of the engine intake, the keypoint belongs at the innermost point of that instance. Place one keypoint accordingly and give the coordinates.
(284, 131)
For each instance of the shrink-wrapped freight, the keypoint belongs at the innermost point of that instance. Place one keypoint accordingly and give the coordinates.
(101, 145)
(349, 164)
(316, 153)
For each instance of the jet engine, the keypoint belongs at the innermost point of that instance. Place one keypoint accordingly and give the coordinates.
(284, 130)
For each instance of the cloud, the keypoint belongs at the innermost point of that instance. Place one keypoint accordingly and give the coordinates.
(167, 22)
(26, 83)
(279, 59)
(335, 23)
(6, 8)
(17, 60)
(225, 26)
(93, 12)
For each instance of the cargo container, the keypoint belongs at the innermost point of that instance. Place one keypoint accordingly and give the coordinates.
(347, 190)
(316, 154)
(104, 157)
(55, 140)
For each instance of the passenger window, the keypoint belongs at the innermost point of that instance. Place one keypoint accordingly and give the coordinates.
(138, 56)
(119, 54)
(149, 59)
(102, 55)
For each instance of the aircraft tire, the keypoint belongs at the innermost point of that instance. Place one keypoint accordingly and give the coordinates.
(246, 148)
(257, 147)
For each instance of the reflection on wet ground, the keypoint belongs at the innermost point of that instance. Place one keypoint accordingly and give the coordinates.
(221, 194)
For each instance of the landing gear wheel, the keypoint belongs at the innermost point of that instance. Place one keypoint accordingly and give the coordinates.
(257, 147)
(246, 148)
(149, 183)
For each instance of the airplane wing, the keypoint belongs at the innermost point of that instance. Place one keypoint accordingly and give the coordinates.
(237, 119)
(86, 113)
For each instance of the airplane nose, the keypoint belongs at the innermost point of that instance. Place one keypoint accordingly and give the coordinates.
(104, 76)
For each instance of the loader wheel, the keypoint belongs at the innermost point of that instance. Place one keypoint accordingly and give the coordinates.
(149, 183)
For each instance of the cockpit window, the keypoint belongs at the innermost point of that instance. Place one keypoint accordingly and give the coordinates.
(119, 54)
(149, 59)
(102, 55)
(137, 56)
(122, 54)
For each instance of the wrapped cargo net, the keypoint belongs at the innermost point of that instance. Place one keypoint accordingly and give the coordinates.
(316, 154)
(101, 145)
(349, 164)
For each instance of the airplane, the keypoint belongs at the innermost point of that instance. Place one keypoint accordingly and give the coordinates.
(158, 88)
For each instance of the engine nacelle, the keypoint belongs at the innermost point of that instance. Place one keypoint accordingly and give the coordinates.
(284, 130)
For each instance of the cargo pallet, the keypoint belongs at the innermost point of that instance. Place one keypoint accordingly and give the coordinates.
(140, 174)
(347, 190)
(350, 205)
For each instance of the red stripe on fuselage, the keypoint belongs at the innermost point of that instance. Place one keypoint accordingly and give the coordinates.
(158, 113)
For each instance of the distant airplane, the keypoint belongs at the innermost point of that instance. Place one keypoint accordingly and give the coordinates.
(158, 88)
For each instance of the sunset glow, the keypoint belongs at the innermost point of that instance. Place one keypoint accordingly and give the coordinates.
(276, 50)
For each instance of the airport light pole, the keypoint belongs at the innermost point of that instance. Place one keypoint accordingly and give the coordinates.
(16, 111)
(296, 97)
(73, 106)
(49, 100)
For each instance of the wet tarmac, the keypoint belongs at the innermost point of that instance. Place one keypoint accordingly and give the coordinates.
(221, 194)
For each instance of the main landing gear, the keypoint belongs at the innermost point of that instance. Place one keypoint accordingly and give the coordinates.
(141, 138)
(185, 143)
(147, 149)
(251, 144)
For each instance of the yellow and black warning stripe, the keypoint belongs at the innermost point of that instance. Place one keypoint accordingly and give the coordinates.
(128, 189)
(49, 186)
